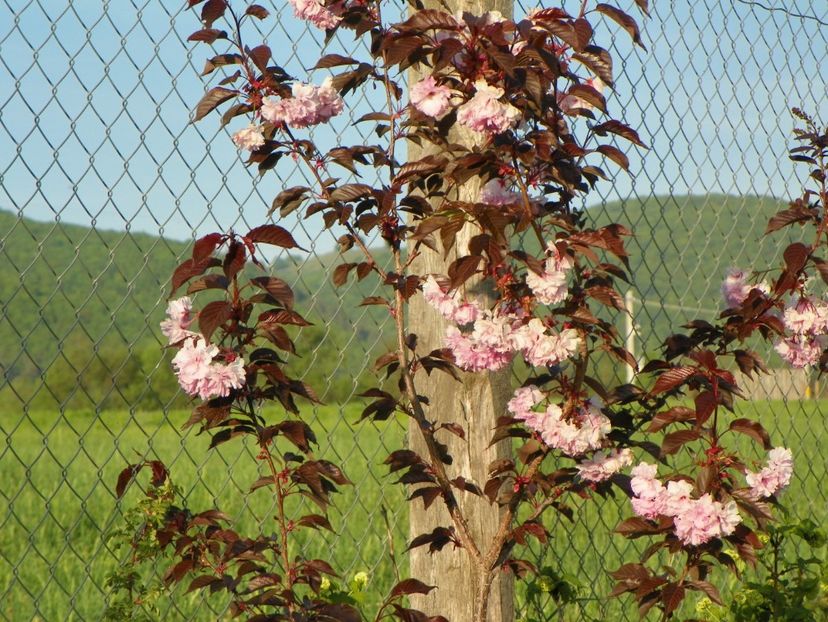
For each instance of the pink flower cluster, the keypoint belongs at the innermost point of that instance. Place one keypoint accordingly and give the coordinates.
(249, 138)
(316, 13)
(199, 375)
(604, 464)
(550, 287)
(540, 347)
(696, 521)
(196, 371)
(485, 112)
(807, 320)
(586, 431)
(486, 347)
(450, 306)
(179, 318)
(310, 105)
(735, 287)
(495, 336)
(430, 98)
(494, 192)
(773, 477)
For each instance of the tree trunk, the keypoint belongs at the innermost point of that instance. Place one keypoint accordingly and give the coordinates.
(475, 404)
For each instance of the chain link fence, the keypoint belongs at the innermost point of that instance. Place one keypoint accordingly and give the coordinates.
(105, 181)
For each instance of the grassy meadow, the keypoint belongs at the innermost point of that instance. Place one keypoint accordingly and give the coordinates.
(59, 471)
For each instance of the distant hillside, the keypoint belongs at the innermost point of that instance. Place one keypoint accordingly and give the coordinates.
(682, 248)
(81, 307)
(63, 282)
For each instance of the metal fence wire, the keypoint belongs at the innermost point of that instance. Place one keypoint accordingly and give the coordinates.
(105, 182)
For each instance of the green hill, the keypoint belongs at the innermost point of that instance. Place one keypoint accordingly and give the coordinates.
(682, 248)
(81, 307)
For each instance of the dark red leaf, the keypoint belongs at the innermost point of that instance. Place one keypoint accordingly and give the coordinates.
(623, 20)
(460, 270)
(665, 418)
(212, 99)
(590, 95)
(272, 234)
(125, 477)
(257, 11)
(671, 596)
(204, 246)
(334, 60)
(207, 35)
(260, 55)
(212, 10)
(707, 588)
(616, 155)
(221, 60)
(351, 192)
(340, 273)
(618, 128)
(410, 586)
(188, 269)
(671, 379)
(795, 256)
(598, 60)
(705, 403)
(213, 315)
(676, 440)
(753, 429)
(430, 19)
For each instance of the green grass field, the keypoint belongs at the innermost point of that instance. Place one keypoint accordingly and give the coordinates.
(58, 475)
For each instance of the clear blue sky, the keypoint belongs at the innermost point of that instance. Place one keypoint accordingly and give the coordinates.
(95, 98)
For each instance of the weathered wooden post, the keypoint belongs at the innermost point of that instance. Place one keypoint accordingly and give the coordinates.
(475, 404)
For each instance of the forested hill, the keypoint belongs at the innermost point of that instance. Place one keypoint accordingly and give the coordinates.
(81, 307)
(682, 248)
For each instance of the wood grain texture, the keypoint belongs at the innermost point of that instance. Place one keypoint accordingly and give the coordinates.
(475, 403)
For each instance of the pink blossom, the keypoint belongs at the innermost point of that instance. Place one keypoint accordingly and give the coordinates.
(481, 350)
(705, 519)
(604, 464)
(649, 492)
(449, 305)
(549, 288)
(178, 320)
(485, 113)
(310, 105)
(542, 348)
(735, 287)
(648, 507)
(523, 403)
(316, 13)
(221, 378)
(585, 432)
(430, 98)
(494, 192)
(249, 138)
(775, 476)
(676, 497)
(807, 316)
(192, 363)
(799, 350)
(643, 481)
(524, 399)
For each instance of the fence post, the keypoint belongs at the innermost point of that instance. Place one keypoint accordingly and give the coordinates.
(475, 403)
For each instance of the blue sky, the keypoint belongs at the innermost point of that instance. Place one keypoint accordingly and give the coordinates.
(95, 100)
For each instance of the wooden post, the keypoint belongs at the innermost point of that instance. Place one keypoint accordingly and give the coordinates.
(475, 404)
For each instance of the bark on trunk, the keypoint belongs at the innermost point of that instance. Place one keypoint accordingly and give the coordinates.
(475, 403)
